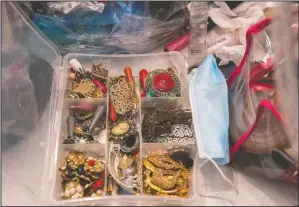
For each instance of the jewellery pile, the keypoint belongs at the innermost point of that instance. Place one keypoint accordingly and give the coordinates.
(85, 84)
(180, 133)
(167, 174)
(160, 83)
(130, 172)
(84, 125)
(125, 169)
(167, 123)
(82, 176)
(123, 159)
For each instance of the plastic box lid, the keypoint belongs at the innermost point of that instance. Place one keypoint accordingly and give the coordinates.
(25, 154)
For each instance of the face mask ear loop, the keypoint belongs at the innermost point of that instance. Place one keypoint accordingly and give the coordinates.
(220, 171)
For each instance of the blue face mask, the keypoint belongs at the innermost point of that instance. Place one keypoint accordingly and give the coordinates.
(209, 103)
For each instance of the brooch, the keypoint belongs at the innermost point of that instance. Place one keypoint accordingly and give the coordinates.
(82, 176)
(162, 83)
(121, 129)
(84, 88)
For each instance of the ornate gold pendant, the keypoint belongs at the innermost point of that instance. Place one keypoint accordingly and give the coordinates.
(84, 87)
(122, 95)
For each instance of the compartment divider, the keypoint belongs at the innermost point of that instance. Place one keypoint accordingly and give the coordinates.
(138, 85)
(142, 99)
(107, 129)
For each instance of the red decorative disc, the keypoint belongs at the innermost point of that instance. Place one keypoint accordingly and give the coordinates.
(163, 82)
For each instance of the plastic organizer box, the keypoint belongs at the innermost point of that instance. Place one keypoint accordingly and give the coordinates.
(115, 65)
(44, 182)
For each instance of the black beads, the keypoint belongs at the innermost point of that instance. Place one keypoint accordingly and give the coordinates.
(70, 175)
(179, 156)
(69, 168)
(90, 138)
(81, 169)
(183, 157)
(188, 162)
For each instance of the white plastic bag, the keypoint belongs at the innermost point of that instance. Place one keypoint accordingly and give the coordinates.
(237, 20)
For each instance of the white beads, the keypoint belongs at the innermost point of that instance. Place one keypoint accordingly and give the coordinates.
(82, 141)
(72, 76)
(74, 63)
(67, 193)
(75, 196)
(71, 184)
(72, 191)
(93, 195)
(99, 192)
(79, 188)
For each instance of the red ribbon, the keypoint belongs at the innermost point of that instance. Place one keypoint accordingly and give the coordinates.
(254, 29)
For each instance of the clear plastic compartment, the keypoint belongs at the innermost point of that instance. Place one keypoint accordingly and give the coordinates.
(101, 136)
(63, 150)
(115, 65)
(19, 102)
(162, 148)
(182, 104)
